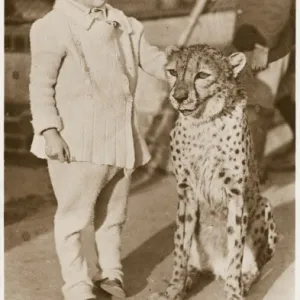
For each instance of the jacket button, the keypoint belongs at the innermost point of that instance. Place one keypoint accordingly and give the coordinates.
(239, 11)
(88, 81)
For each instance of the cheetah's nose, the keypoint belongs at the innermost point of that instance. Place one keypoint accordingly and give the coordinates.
(180, 94)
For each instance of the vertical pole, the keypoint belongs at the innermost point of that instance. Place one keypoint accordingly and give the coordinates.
(194, 16)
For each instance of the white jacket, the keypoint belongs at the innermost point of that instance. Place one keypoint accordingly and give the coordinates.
(83, 79)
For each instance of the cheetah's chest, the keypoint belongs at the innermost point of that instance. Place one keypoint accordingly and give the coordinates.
(195, 157)
(201, 153)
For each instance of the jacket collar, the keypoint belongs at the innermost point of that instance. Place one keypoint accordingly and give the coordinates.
(83, 17)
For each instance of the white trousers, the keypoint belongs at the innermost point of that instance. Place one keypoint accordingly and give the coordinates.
(86, 192)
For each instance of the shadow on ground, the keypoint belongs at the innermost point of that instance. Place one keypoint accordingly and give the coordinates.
(26, 218)
(139, 264)
(25, 207)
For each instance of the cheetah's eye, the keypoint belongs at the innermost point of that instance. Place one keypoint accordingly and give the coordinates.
(172, 72)
(202, 75)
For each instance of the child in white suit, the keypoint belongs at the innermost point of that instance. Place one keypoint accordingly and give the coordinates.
(85, 59)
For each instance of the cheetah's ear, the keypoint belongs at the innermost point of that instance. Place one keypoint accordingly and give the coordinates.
(170, 50)
(238, 61)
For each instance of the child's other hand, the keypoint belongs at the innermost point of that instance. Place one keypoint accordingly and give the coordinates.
(56, 147)
(259, 58)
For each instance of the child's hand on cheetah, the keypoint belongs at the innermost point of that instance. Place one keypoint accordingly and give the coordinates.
(56, 147)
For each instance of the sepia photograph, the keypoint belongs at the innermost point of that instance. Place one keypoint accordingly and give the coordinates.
(149, 150)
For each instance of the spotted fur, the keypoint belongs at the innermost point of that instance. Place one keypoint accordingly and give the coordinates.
(223, 223)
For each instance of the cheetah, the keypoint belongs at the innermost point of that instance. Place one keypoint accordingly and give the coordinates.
(223, 224)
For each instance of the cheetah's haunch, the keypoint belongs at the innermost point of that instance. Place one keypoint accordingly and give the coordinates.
(223, 223)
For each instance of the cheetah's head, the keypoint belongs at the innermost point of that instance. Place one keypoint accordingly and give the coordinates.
(201, 79)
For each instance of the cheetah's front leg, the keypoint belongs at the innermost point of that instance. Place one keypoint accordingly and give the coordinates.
(237, 229)
(185, 226)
